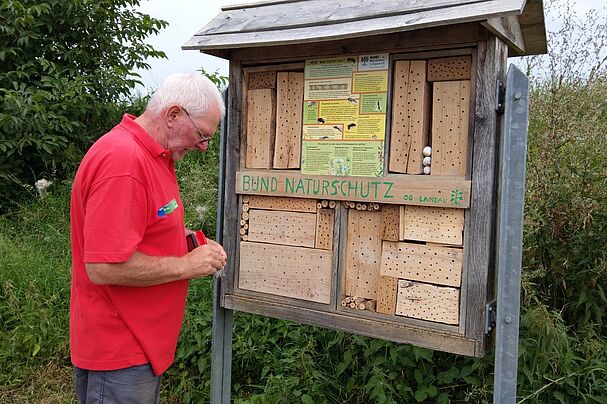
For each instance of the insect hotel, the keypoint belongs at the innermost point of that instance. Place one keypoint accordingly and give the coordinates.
(360, 164)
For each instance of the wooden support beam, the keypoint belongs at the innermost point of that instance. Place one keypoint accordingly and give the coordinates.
(509, 30)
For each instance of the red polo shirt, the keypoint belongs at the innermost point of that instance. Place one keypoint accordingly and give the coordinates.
(125, 198)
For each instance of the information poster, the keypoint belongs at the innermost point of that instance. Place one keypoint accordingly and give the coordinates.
(344, 115)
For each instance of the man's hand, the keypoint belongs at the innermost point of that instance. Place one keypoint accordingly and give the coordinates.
(207, 259)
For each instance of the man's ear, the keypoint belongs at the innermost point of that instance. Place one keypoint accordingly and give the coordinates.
(171, 114)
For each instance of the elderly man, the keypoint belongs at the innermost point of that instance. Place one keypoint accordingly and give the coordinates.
(130, 260)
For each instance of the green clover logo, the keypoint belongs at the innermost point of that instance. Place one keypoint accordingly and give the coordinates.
(457, 197)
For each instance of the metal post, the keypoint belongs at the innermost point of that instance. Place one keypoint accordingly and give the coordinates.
(511, 199)
(221, 345)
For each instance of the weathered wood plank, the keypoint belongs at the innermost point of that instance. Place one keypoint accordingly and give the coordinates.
(411, 97)
(261, 127)
(280, 227)
(358, 324)
(435, 225)
(533, 28)
(287, 28)
(392, 189)
(450, 68)
(288, 204)
(428, 302)
(450, 114)
(325, 219)
(479, 235)
(430, 39)
(387, 292)
(363, 253)
(424, 263)
(507, 29)
(289, 107)
(251, 17)
(231, 208)
(307, 276)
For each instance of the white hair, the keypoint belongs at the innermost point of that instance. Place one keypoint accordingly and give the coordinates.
(193, 91)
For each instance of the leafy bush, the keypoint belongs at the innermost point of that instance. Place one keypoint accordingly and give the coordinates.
(63, 66)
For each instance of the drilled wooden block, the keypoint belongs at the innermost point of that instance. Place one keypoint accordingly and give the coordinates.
(450, 115)
(390, 218)
(296, 272)
(260, 80)
(363, 253)
(387, 292)
(449, 69)
(289, 99)
(289, 204)
(428, 302)
(324, 229)
(285, 228)
(261, 125)
(425, 263)
(410, 117)
(435, 225)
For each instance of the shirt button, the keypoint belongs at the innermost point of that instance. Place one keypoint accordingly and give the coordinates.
(163, 155)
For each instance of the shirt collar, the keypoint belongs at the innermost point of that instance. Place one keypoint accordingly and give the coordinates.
(148, 142)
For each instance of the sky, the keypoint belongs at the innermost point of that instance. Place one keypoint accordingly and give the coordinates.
(186, 17)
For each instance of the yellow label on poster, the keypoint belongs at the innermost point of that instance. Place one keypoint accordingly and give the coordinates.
(338, 111)
(370, 82)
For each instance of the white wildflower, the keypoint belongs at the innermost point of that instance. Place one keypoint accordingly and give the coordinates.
(42, 186)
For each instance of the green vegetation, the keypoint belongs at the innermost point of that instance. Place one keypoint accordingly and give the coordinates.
(64, 64)
(563, 345)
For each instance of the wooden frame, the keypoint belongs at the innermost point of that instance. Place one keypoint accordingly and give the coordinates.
(467, 337)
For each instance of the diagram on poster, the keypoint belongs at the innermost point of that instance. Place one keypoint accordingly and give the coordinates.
(344, 115)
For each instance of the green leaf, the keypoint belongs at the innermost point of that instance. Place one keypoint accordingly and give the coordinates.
(306, 399)
(421, 395)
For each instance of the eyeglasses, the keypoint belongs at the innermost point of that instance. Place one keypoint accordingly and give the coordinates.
(202, 137)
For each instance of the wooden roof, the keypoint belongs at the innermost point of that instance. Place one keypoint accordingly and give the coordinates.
(284, 22)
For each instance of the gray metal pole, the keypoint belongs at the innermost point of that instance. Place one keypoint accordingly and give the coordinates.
(511, 200)
(221, 345)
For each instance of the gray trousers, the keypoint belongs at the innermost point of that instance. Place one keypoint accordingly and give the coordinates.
(134, 385)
